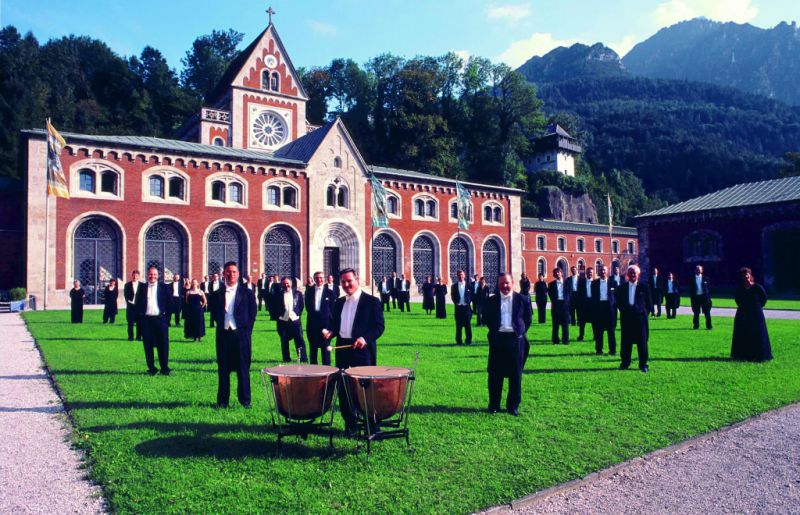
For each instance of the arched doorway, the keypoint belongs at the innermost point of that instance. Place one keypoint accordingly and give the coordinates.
(282, 253)
(96, 252)
(225, 243)
(384, 257)
(424, 256)
(460, 258)
(340, 248)
(491, 263)
(164, 248)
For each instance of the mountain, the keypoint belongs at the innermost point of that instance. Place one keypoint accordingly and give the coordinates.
(681, 138)
(748, 58)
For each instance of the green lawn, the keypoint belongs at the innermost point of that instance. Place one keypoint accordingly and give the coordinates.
(728, 302)
(157, 444)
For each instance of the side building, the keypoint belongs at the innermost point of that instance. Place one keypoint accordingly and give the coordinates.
(756, 225)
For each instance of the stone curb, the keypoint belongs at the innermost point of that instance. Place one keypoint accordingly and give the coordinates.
(534, 498)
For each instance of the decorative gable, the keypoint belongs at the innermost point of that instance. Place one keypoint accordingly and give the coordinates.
(269, 68)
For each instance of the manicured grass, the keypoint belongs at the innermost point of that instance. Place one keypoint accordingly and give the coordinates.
(728, 302)
(158, 445)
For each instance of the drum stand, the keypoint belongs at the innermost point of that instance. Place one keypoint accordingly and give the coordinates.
(395, 426)
(286, 425)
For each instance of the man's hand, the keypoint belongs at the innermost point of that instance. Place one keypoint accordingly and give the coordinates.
(360, 344)
(326, 334)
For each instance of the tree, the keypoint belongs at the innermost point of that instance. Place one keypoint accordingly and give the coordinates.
(792, 167)
(170, 104)
(316, 82)
(205, 63)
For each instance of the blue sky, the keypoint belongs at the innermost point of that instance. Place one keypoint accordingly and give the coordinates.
(316, 31)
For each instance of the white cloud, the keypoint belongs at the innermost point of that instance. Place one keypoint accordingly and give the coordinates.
(624, 46)
(673, 11)
(538, 44)
(463, 54)
(512, 13)
(321, 28)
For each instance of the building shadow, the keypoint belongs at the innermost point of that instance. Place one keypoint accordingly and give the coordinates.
(147, 405)
(458, 410)
(188, 446)
(37, 409)
(568, 370)
(25, 377)
(694, 360)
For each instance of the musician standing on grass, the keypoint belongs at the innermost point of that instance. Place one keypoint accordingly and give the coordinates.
(152, 305)
(357, 324)
(319, 308)
(289, 325)
(131, 314)
(635, 304)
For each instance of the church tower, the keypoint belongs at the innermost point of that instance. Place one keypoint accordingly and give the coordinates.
(555, 151)
(259, 104)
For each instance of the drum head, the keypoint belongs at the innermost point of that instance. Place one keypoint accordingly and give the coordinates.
(301, 370)
(375, 372)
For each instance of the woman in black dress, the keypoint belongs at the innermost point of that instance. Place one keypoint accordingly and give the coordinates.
(194, 327)
(110, 295)
(440, 292)
(428, 302)
(750, 337)
(76, 302)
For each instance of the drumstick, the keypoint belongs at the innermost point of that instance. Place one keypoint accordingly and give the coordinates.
(330, 348)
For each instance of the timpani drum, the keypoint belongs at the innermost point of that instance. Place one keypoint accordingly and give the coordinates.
(302, 392)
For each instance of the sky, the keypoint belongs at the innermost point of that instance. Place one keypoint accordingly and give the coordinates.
(316, 31)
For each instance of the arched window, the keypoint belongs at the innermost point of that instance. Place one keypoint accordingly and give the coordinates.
(165, 249)
(419, 207)
(454, 210)
(96, 255)
(562, 244)
(424, 257)
(581, 245)
(218, 191)
(265, 80)
(426, 207)
(492, 258)
(87, 180)
(384, 256)
(274, 196)
(275, 83)
(337, 162)
(615, 246)
(235, 192)
(225, 243)
(598, 245)
(492, 213)
(392, 205)
(487, 213)
(337, 194)
(282, 253)
(540, 242)
(430, 208)
(342, 199)
(157, 186)
(581, 266)
(218, 142)
(108, 182)
(563, 266)
(631, 248)
(177, 187)
(597, 265)
(460, 258)
(289, 196)
(497, 214)
(331, 196)
(541, 267)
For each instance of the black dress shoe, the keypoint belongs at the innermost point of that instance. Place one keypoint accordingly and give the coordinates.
(514, 412)
(492, 411)
(220, 406)
(246, 406)
(580, 338)
(644, 369)
(165, 372)
(624, 367)
(130, 339)
(152, 372)
(612, 353)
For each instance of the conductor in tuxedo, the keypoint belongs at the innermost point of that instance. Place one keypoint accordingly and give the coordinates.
(540, 292)
(585, 303)
(403, 288)
(131, 313)
(604, 312)
(319, 311)
(508, 317)
(700, 297)
(234, 313)
(176, 298)
(672, 295)
(357, 323)
(289, 308)
(635, 304)
(559, 292)
(385, 291)
(152, 305)
(461, 295)
(656, 284)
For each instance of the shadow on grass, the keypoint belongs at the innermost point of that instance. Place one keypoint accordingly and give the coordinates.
(37, 409)
(142, 373)
(417, 410)
(25, 377)
(82, 339)
(127, 405)
(695, 360)
(185, 446)
(549, 370)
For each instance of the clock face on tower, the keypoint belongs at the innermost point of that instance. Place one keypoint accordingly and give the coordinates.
(269, 129)
(270, 61)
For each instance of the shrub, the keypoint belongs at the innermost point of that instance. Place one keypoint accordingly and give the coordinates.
(18, 293)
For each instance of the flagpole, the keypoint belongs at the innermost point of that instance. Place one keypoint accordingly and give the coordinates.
(372, 254)
(610, 232)
(46, 216)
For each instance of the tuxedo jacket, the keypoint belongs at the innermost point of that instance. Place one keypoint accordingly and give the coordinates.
(127, 291)
(583, 282)
(163, 295)
(705, 287)
(244, 309)
(610, 297)
(321, 318)
(540, 290)
(398, 286)
(520, 315)
(642, 302)
(394, 285)
(525, 286)
(552, 292)
(367, 324)
(456, 297)
(297, 304)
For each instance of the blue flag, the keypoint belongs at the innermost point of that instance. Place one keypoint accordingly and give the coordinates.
(464, 206)
(379, 216)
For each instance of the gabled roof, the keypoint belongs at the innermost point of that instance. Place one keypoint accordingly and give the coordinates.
(741, 195)
(304, 147)
(170, 145)
(398, 174)
(533, 224)
(241, 59)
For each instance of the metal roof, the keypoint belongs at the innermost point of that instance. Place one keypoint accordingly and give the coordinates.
(304, 147)
(747, 194)
(385, 173)
(171, 145)
(562, 226)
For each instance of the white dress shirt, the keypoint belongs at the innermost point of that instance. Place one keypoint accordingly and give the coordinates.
(698, 280)
(506, 307)
(230, 302)
(288, 304)
(669, 286)
(349, 315)
(208, 287)
(135, 286)
(588, 289)
(560, 288)
(574, 282)
(175, 292)
(603, 290)
(152, 300)
(402, 285)
(461, 287)
(385, 287)
(318, 291)
(632, 293)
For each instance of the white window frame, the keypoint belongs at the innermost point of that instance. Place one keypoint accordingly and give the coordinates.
(544, 242)
(98, 166)
(493, 204)
(282, 185)
(166, 173)
(454, 220)
(628, 247)
(580, 242)
(425, 197)
(227, 178)
(595, 249)
(399, 214)
(339, 184)
(559, 239)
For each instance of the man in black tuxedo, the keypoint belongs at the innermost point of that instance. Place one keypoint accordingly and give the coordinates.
(403, 288)
(585, 302)
(540, 292)
(604, 312)
(508, 317)
(176, 298)
(289, 308)
(700, 297)
(559, 292)
(319, 312)
(214, 286)
(131, 313)
(235, 313)
(479, 299)
(525, 286)
(461, 295)
(656, 285)
(332, 286)
(672, 295)
(393, 292)
(574, 297)
(357, 323)
(152, 305)
(634, 303)
(263, 285)
(474, 284)
(616, 277)
(385, 292)
(275, 290)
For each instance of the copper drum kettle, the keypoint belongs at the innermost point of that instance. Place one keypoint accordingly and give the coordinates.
(302, 392)
(378, 392)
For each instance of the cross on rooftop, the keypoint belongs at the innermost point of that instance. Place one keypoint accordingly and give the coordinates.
(270, 12)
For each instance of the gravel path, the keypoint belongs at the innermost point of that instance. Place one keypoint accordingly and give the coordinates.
(39, 472)
(752, 467)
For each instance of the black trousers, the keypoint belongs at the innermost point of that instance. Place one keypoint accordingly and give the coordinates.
(605, 322)
(478, 313)
(404, 297)
(701, 303)
(234, 351)
(155, 335)
(634, 329)
(672, 305)
(175, 309)
(560, 319)
(657, 301)
(463, 321)
(346, 358)
(317, 342)
(394, 300)
(504, 361)
(584, 317)
(573, 308)
(385, 298)
(132, 317)
(292, 330)
(541, 309)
